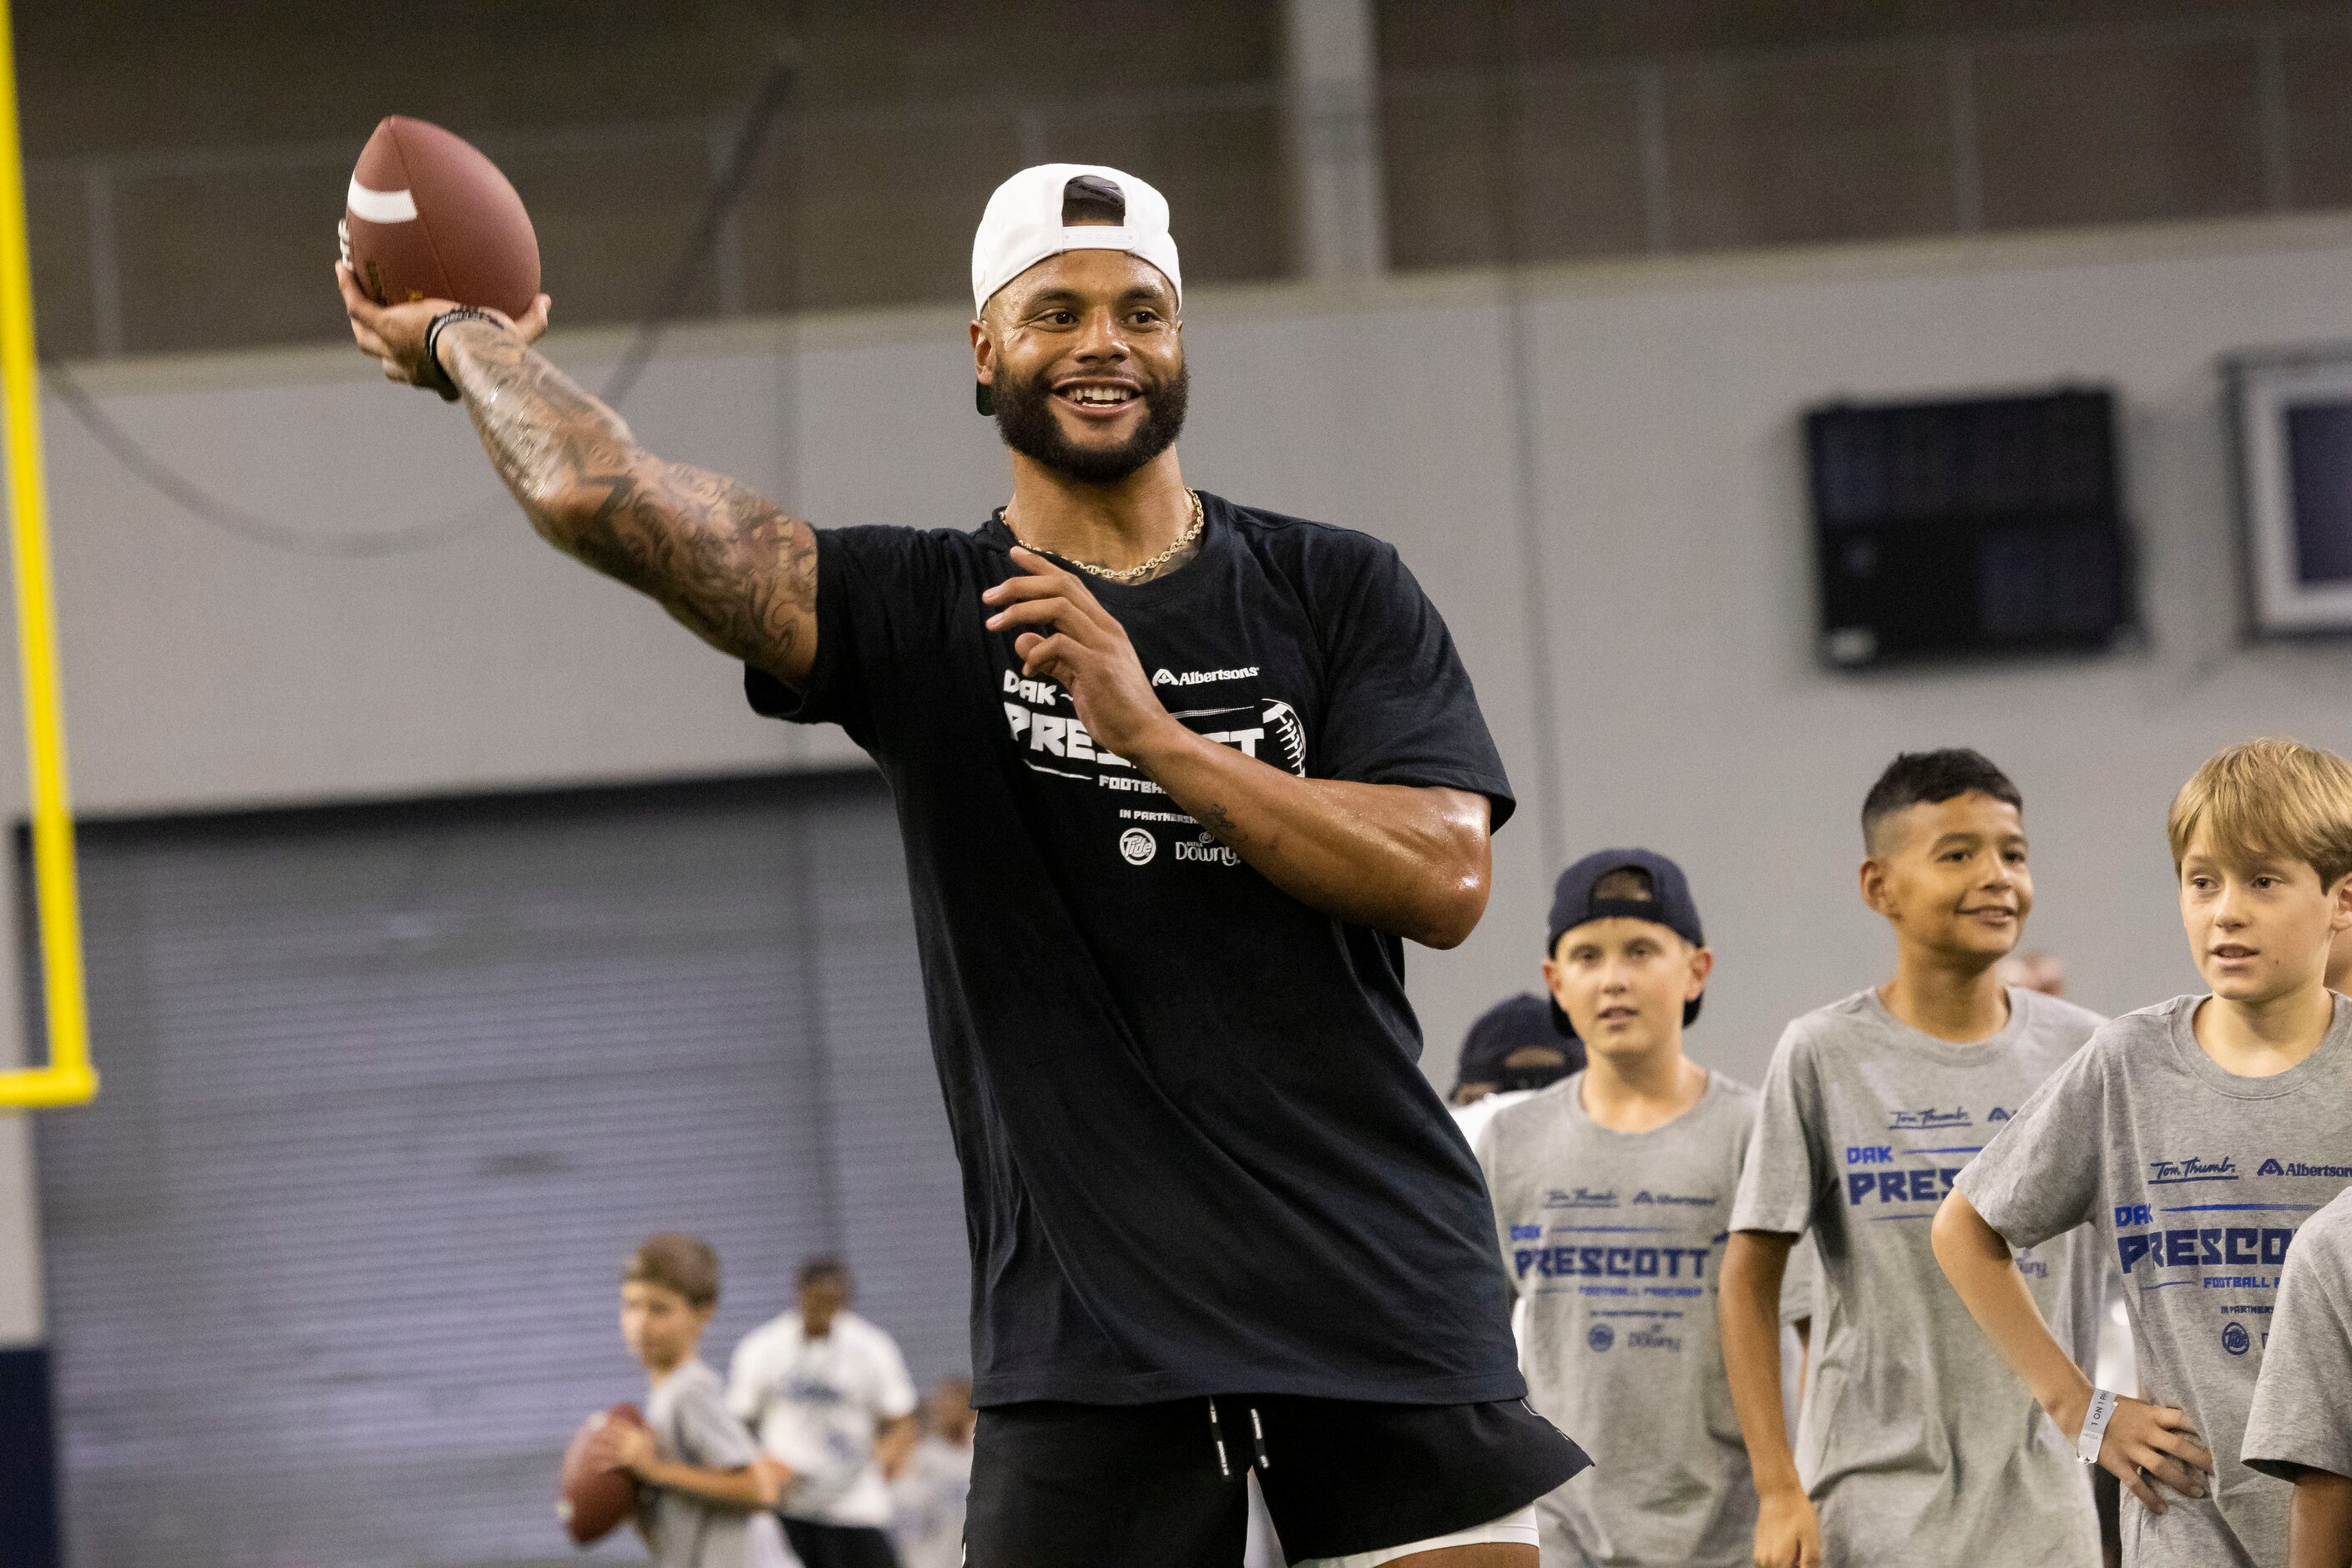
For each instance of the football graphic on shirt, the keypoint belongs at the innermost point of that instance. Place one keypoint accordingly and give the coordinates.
(1274, 735)
(1285, 737)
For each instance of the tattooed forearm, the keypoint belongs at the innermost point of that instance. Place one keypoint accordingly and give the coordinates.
(543, 434)
(731, 565)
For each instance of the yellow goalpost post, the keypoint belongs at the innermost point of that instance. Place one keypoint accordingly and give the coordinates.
(67, 1078)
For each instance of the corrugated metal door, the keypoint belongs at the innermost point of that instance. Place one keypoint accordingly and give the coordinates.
(389, 1093)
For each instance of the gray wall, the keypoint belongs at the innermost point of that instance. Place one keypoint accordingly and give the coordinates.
(1674, 591)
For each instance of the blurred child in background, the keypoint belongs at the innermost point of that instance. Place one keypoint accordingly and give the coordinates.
(703, 1489)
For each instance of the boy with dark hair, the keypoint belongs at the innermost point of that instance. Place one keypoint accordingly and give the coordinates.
(2196, 1135)
(1611, 1194)
(703, 1489)
(2300, 1429)
(1917, 1440)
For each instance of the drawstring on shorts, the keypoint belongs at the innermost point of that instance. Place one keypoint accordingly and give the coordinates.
(1263, 1461)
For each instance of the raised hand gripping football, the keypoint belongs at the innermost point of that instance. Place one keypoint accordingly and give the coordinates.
(393, 335)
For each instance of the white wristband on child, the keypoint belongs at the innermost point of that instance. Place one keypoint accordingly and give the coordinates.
(2094, 1426)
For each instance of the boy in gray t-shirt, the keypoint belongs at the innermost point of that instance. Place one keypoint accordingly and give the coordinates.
(1914, 1443)
(1612, 1190)
(2300, 1428)
(703, 1486)
(2196, 1136)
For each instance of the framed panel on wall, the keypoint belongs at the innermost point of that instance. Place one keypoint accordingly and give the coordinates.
(2293, 416)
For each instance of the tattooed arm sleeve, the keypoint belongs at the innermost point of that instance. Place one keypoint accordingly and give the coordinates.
(734, 567)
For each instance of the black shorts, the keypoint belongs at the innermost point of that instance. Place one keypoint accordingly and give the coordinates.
(1158, 1486)
(838, 1545)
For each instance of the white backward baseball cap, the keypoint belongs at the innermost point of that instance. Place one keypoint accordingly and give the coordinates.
(1023, 227)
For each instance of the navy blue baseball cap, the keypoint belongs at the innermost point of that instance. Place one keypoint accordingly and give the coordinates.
(1669, 903)
(1511, 1025)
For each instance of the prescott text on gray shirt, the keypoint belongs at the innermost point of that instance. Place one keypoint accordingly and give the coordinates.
(1916, 1442)
(2196, 1180)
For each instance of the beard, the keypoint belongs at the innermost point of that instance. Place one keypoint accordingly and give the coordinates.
(1025, 420)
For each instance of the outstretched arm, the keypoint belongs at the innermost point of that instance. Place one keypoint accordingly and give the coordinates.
(733, 566)
(1409, 861)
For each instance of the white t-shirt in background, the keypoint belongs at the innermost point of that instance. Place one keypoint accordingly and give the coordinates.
(927, 1504)
(1473, 1118)
(818, 1404)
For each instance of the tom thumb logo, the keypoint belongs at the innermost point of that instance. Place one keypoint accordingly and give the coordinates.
(2162, 1172)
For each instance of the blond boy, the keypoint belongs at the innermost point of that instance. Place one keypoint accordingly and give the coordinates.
(2197, 1135)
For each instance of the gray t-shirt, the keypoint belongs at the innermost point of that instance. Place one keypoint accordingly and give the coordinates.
(2197, 1180)
(2302, 1418)
(1914, 1434)
(1614, 1241)
(691, 1424)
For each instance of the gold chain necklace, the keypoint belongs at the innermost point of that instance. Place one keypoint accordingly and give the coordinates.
(1130, 574)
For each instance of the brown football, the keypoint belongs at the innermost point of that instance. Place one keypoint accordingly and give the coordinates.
(591, 1498)
(428, 217)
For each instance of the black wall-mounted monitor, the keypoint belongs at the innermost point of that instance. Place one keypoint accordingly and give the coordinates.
(1966, 528)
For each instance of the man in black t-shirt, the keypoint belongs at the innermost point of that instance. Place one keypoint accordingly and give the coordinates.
(1176, 777)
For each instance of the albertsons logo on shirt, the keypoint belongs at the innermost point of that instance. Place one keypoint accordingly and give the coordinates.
(1164, 677)
(2302, 1168)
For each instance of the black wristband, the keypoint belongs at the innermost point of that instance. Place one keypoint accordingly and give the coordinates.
(433, 368)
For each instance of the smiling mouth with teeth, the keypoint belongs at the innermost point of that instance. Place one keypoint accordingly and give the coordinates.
(1099, 396)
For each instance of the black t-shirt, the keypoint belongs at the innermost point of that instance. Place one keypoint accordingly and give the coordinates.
(1197, 1155)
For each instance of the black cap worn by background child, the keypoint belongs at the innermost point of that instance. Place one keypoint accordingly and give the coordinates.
(1575, 900)
(1513, 1026)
